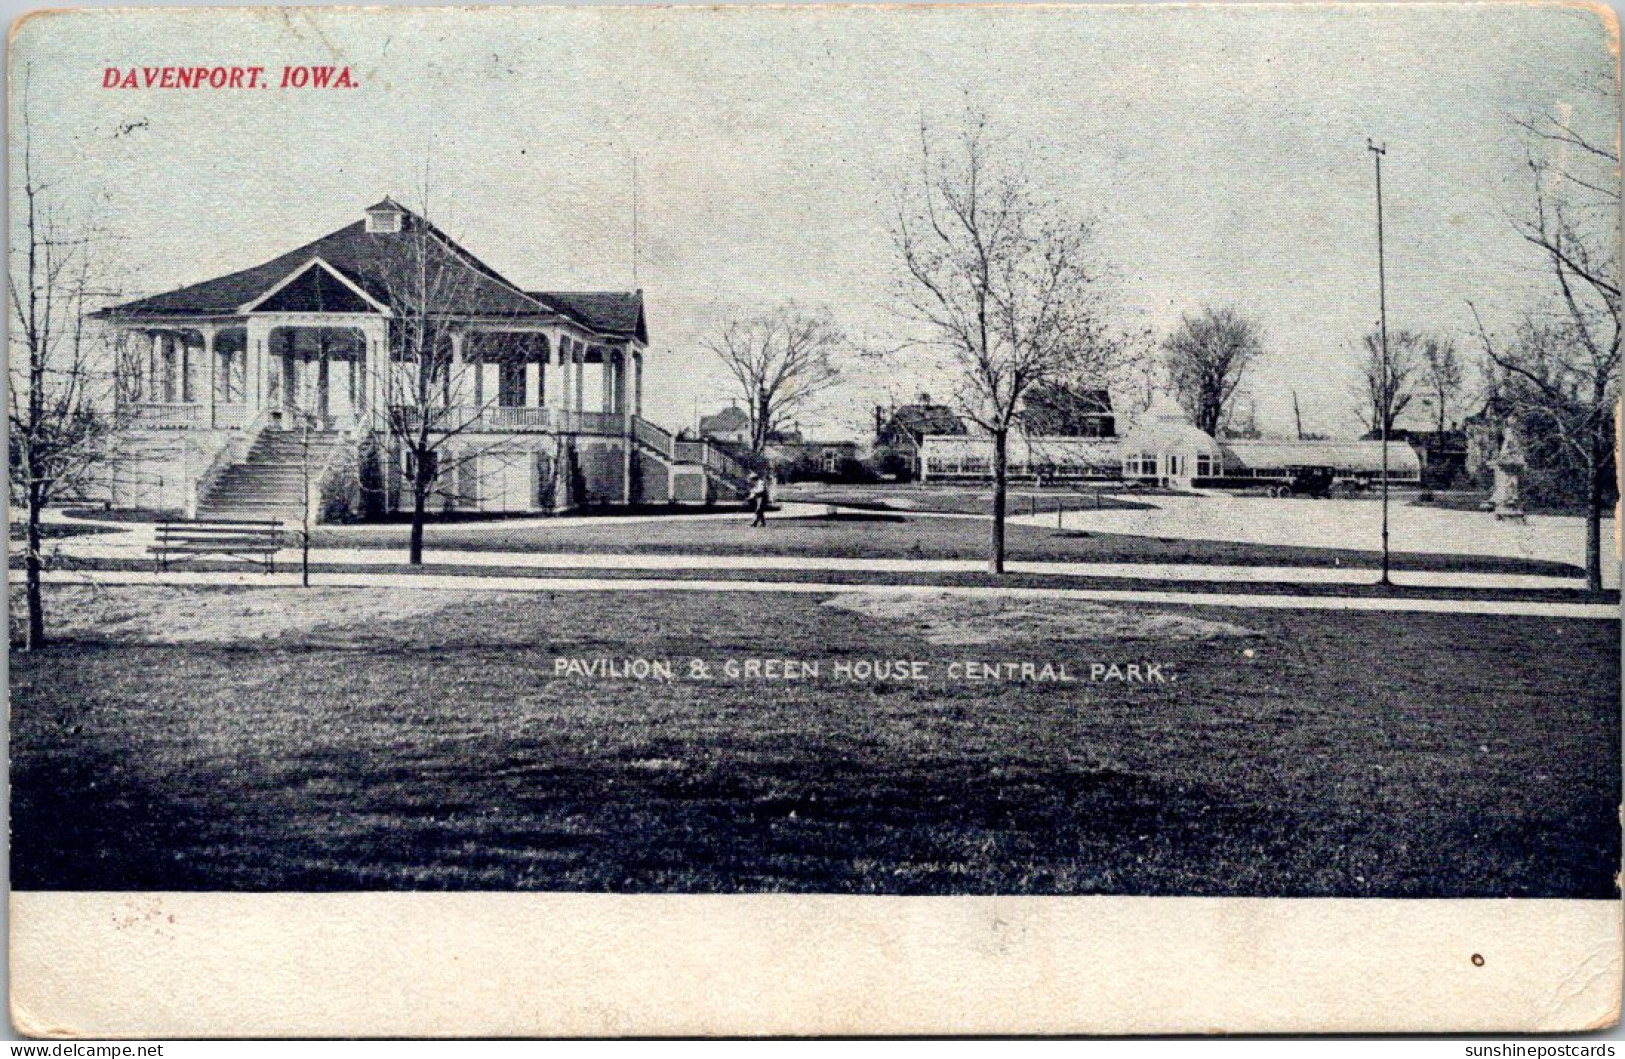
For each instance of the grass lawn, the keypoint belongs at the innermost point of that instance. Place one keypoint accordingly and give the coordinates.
(338, 739)
(966, 500)
(887, 535)
(17, 532)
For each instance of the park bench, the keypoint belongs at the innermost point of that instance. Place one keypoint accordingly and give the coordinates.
(250, 540)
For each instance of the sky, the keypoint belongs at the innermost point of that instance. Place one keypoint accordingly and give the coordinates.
(1221, 151)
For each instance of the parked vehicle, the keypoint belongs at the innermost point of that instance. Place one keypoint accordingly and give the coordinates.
(1306, 481)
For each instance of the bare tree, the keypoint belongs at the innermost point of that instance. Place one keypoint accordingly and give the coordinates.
(60, 370)
(1441, 377)
(1558, 376)
(427, 390)
(1387, 384)
(1207, 356)
(780, 362)
(1003, 284)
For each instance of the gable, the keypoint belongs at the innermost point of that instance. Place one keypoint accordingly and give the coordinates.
(316, 290)
(365, 259)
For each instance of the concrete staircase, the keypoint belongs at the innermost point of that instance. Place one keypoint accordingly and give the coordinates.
(270, 482)
(725, 477)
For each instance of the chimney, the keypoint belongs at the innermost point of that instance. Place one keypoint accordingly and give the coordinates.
(880, 419)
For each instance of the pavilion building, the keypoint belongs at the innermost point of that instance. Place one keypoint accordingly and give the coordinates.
(537, 404)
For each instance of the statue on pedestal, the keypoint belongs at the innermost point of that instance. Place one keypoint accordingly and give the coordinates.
(1506, 497)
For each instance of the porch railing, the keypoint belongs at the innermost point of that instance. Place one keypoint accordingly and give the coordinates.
(233, 416)
(165, 416)
(592, 422)
(501, 419)
(177, 416)
(514, 418)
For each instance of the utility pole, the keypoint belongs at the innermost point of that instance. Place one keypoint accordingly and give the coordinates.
(635, 223)
(1382, 331)
(1297, 415)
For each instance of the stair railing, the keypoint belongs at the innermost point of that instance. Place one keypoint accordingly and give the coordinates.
(655, 437)
(720, 463)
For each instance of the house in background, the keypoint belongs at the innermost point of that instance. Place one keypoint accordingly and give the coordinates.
(788, 456)
(542, 408)
(901, 429)
(730, 426)
(1054, 410)
(797, 459)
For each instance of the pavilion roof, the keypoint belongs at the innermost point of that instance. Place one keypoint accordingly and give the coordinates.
(372, 261)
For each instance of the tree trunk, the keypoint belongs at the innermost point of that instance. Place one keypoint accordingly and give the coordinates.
(421, 480)
(1000, 453)
(763, 423)
(32, 564)
(1212, 413)
(1595, 491)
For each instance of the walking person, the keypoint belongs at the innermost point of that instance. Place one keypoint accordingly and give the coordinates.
(758, 500)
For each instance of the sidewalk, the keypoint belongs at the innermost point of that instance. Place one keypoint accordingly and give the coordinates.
(489, 583)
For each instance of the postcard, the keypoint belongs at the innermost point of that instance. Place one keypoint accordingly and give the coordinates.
(608, 521)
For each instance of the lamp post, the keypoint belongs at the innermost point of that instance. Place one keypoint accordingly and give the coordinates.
(1377, 153)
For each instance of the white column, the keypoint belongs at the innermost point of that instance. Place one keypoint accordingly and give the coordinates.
(623, 390)
(581, 377)
(209, 368)
(160, 344)
(375, 381)
(624, 408)
(160, 350)
(456, 378)
(565, 346)
(149, 370)
(183, 369)
(257, 366)
(603, 380)
(637, 377)
(174, 361)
